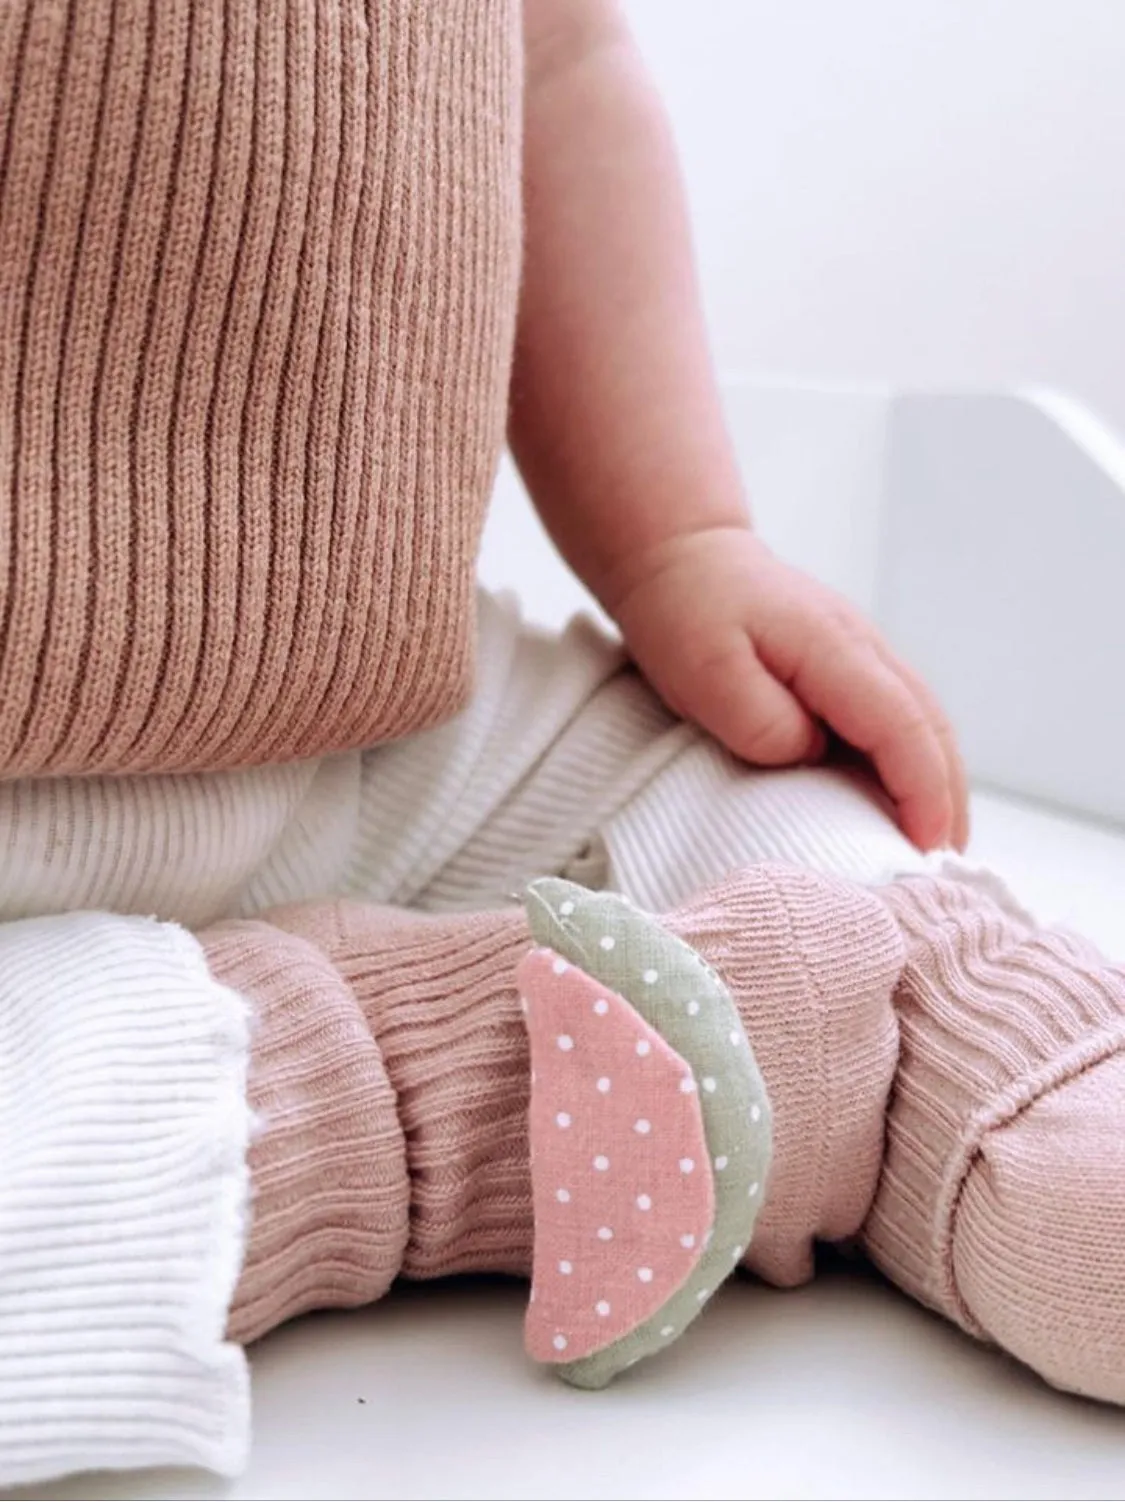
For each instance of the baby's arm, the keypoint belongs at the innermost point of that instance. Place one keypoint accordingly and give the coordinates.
(617, 429)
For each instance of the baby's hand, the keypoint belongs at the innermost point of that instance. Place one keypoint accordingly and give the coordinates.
(761, 656)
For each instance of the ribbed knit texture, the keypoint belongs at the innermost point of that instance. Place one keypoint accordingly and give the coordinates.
(391, 1078)
(811, 962)
(124, 1126)
(564, 763)
(439, 997)
(258, 276)
(331, 1196)
(1000, 1202)
(705, 812)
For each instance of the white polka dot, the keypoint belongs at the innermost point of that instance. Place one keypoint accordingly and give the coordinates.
(693, 1009)
(709, 1084)
(523, 1005)
(560, 967)
(644, 1202)
(602, 1307)
(752, 1192)
(650, 977)
(603, 1084)
(735, 1037)
(563, 1196)
(601, 1162)
(668, 1330)
(563, 1119)
(643, 1047)
(566, 1268)
(721, 1161)
(642, 1126)
(755, 1113)
(559, 1342)
(645, 1274)
(607, 941)
(565, 1042)
(604, 1233)
(686, 1165)
(687, 1085)
(736, 1252)
(566, 908)
(601, 1006)
(703, 1295)
(687, 1240)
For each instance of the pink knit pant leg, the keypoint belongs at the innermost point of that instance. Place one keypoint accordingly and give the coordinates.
(390, 1072)
(390, 1075)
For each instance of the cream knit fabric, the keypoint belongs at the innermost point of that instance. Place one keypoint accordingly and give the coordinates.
(123, 1132)
(563, 762)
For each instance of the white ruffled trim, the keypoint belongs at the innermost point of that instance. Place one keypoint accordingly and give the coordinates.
(123, 1134)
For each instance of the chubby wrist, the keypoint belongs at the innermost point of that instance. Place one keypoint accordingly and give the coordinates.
(636, 568)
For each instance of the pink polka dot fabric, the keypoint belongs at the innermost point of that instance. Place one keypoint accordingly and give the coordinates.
(621, 1177)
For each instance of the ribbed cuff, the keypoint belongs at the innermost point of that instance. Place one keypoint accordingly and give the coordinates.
(993, 1013)
(123, 1135)
(439, 997)
(331, 1193)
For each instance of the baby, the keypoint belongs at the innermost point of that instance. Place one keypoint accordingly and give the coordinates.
(275, 280)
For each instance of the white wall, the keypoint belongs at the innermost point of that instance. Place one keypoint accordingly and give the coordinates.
(924, 191)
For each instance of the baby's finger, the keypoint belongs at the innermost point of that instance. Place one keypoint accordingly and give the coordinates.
(734, 697)
(958, 778)
(846, 682)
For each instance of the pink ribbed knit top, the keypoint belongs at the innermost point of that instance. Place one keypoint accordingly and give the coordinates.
(258, 276)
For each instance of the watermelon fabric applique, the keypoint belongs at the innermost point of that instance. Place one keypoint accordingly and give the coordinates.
(650, 1132)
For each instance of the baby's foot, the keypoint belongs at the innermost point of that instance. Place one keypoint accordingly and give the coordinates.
(810, 963)
(1002, 1199)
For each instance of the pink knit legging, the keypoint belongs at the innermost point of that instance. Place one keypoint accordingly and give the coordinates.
(390, 1073)
(946, 1082)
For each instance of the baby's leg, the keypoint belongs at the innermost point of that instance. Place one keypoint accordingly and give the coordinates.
(1001, 1201)
(391, 1073)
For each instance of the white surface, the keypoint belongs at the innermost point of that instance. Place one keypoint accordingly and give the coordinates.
(841, 1390)
(920, 191)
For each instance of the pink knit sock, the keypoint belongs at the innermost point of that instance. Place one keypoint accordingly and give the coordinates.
(812, 962)
(391, 1076)
(1002, 1199)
